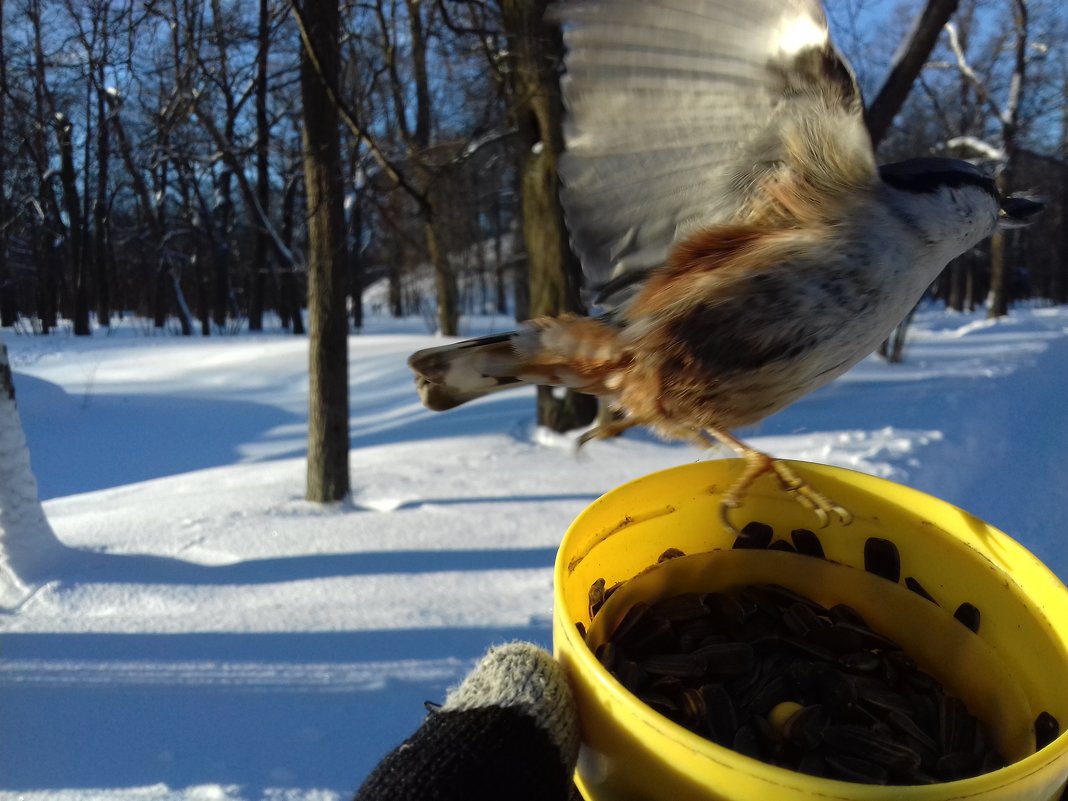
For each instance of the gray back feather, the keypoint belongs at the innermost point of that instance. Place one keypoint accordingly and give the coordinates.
(678, 108)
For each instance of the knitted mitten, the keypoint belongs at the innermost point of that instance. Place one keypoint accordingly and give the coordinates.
(509, 732)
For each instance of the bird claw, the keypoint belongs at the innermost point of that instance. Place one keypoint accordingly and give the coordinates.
(821, 515)
(794, 486)
(585, 438)
(811, 499)
(845, 517)
(757, 464)
(724, 515)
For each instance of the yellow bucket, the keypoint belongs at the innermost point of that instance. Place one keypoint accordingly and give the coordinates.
(1011, 669)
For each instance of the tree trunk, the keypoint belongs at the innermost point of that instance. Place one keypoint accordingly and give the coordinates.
(50, 281)
(396, 296)
(261, 252)
(356, 264)
(444, 279)
(288, 296)
(159, 297)
(997, 300)
(186, 182)
(73, 205)
(185, 316)
(221, 253)
(970, 299)
(27, 542)
(328, 413)
(150, 213)
(537, 50)
(100, 202)
(203, 294)
(500, 296)
(8, 300)
(418, 144)
(47, 285)
(893, 347)
(955, 295)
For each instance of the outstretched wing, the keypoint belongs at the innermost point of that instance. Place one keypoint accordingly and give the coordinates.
(680, 111)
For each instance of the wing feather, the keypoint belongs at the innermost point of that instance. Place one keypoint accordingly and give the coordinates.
(679, 110)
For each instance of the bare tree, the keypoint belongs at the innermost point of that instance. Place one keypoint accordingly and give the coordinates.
(8, 302)
(912, 57)
(1001, 147)
(51, 228)
(98, 45)
(262, 252)
(72, 203)
(536, 50)
(412, 115)
(328, 414)
(172, 185)
(907, 66)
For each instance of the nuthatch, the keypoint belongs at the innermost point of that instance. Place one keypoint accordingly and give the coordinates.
(722, 194)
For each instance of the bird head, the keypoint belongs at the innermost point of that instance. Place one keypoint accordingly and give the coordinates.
(954, 202)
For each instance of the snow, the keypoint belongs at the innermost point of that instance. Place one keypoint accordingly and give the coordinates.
(27, 542)
(204, 633)
(978, 146)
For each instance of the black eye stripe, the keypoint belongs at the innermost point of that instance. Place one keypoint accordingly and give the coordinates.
(930, 174)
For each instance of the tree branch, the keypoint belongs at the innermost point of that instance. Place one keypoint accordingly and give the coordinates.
(285, 255)
(391, 170)
(906, 67)
(970, 74)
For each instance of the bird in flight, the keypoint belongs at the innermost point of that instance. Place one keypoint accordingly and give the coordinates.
(742, 246)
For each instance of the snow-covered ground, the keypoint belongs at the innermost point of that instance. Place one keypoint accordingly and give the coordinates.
(210, 635)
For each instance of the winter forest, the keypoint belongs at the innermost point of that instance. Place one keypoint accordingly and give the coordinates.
(152, 164)
(226, 224)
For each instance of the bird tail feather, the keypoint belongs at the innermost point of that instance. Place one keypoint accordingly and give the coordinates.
(449, 375)
(567, 351)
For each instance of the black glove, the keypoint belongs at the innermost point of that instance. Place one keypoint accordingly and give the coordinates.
(509, 732)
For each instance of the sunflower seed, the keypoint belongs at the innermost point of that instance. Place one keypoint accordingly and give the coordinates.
(678, 608)
(800, 619)
(683, 666)
(596, 597)
(746, 742)
(863, 661)
(868, 744)
(727, 658)
(720, 713)
(854, 769)
(805, 728)
(955, 765)
(670, 553)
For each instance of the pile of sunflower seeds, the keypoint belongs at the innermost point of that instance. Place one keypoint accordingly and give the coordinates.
(778, 677)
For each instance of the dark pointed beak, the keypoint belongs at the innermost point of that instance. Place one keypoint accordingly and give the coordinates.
(1019, 210)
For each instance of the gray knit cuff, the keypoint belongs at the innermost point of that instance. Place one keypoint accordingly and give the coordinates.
(524, 677)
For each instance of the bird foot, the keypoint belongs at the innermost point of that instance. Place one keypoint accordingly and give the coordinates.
(810, 498)
(606, 430)
(759, 463)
